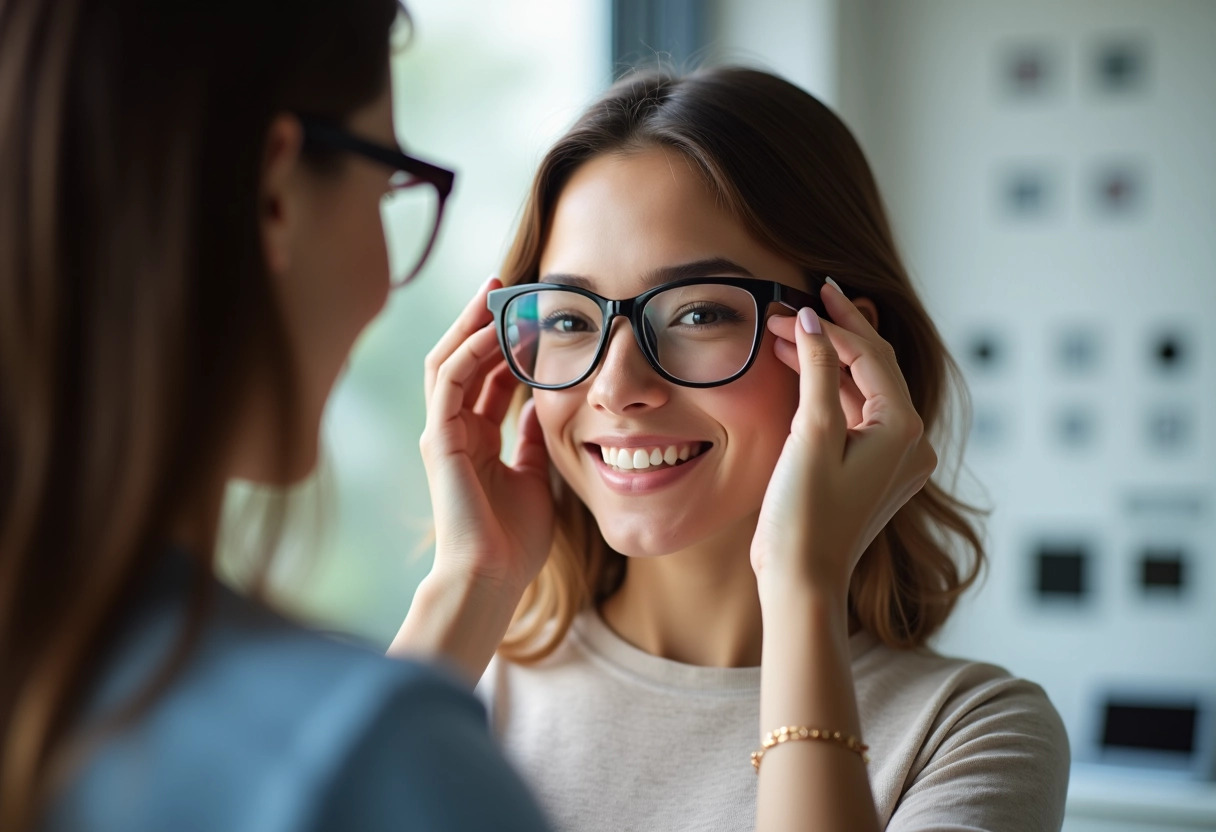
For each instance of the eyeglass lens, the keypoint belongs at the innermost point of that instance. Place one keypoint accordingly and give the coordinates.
(410, 212)
(700, 333)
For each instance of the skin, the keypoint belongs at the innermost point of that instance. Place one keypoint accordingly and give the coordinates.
(323, 240)
(809, 467)
(326, 258)
(689, 593)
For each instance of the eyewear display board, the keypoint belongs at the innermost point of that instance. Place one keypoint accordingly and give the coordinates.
(1050, 168)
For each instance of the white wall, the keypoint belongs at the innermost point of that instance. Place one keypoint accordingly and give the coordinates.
(793, 38)
(923, 85)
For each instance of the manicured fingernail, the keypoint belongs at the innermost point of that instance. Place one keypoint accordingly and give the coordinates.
(809, 321)
(833, 284)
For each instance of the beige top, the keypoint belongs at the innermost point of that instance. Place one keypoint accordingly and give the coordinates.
(612, 738)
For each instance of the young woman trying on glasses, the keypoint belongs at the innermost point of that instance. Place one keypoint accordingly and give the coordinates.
(743, 549)
(191, 198)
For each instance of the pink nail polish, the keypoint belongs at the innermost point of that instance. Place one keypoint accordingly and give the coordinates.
(809, 321)
(834, 284)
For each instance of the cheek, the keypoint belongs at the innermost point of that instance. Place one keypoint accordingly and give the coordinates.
(364, 246)
(756, 412)
(340, 283)
(554, 410)
(358, 275)
(769, 391)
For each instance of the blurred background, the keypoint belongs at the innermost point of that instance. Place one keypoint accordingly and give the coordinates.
(1050, 168)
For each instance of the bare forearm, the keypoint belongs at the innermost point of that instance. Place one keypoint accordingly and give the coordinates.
(456, 622)
(806, 679)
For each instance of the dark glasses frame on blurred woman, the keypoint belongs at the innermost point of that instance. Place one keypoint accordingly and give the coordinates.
(761, 292)
(413, 173)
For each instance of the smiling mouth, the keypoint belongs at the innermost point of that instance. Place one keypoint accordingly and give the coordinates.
(656, 458)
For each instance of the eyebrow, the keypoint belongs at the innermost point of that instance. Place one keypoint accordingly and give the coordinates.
(709, 267)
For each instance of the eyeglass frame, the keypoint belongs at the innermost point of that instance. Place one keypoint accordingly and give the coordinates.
(319, 133)
(764, 293)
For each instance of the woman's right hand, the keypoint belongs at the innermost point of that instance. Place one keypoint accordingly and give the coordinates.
(493, 521)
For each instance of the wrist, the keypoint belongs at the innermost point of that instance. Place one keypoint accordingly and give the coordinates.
(456, 590)
(806, 664)
(481, 566)
(457, 618)
(806, 566)
(801, 583)
(786, 603)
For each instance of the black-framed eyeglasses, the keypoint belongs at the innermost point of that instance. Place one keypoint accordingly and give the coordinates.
(698, 332)
(411, 210)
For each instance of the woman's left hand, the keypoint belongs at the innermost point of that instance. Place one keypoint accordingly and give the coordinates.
(836, 485)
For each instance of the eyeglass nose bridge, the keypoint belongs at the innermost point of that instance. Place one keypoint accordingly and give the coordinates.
(631, 311)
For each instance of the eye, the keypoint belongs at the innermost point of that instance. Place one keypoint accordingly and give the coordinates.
(706, 315)
(565, 323)
(699, 317)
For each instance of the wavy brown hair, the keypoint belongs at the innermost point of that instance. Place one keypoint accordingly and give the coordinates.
(789, 169)
(135, 309)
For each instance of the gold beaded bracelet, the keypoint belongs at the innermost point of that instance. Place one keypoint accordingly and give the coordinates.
(790, 733)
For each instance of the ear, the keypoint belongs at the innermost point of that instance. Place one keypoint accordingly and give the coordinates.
(276, 196)
(868, 311)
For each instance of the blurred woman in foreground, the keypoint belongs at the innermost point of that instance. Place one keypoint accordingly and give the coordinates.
(190, 242)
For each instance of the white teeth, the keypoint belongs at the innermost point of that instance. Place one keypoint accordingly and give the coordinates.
(639, 459)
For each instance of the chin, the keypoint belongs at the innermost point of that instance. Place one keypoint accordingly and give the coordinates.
(646, 539)
(645, 535)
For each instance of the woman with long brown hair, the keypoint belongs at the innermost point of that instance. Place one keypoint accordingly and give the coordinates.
(190, 242)
(746, 554)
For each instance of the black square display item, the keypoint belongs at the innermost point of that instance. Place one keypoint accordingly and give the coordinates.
(1153, 727)
(1163, 571)
(1060, 571)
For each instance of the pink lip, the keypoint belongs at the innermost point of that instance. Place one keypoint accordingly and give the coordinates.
(632, 483)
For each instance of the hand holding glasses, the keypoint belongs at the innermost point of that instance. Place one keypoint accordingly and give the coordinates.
(698, 332)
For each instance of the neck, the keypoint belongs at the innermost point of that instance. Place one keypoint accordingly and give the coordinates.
(254, 454)
(699, 606)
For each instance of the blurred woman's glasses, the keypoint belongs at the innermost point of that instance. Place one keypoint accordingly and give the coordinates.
(411, 209)
(699, 332)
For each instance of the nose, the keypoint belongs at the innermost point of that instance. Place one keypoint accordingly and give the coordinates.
(625, 381)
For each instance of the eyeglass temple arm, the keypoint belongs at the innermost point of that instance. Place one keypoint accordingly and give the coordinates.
(330, 135)
(795, 299)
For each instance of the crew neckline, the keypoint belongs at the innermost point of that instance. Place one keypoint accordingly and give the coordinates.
(603, 644)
